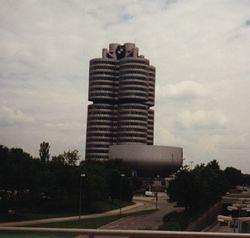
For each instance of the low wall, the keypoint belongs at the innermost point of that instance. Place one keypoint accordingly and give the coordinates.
(113, 233)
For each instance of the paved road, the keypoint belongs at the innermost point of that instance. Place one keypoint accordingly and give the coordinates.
(150, 221)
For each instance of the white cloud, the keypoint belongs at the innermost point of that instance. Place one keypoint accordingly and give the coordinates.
(202, 120)
(182, 90)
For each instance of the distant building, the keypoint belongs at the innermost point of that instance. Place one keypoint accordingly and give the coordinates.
(122, 89)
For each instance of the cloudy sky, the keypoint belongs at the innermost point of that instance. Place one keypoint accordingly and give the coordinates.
(201, 51)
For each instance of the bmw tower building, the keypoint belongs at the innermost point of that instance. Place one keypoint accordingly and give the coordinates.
(121, 118)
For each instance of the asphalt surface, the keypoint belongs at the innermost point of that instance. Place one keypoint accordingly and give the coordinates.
(149, 221)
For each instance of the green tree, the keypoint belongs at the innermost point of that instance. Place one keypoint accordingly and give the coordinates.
(44, 152)
(234, 176)
(126, 189)
(58, 159)
(181, 189)
(246, 179)
(52, 186)
(198, 188)
(71, 157)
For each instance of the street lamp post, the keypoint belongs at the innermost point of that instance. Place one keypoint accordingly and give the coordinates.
(156, 193)
(156, 200)
(122, 175)
(80, 195)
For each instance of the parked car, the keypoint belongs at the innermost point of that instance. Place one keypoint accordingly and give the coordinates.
(149, 194)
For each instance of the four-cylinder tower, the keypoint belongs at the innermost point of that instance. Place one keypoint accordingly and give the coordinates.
(122, 89)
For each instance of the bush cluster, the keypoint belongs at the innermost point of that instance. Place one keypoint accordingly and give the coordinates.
(52, 186)
(197, 189)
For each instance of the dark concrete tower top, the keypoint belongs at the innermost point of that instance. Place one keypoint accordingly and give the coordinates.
(122, 88)
(117, 51)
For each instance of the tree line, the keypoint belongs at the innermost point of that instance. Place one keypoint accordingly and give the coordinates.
(52, 185)
(196, 189)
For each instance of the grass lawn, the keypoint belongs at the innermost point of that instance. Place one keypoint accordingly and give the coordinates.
(178, 221)
(31, 216)
(91, 223)
(99, 207)
(29, 235)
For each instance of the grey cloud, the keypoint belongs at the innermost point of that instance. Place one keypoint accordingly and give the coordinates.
(202, 120)
(45, 47)
(11, 116)
(183, 90)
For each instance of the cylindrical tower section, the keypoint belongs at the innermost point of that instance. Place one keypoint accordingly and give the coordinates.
(99, 130)
(151, 84)
(150, 130)
(103, 79)
(122, 89)
(115, 123)
(133, 80)
(132, 123)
